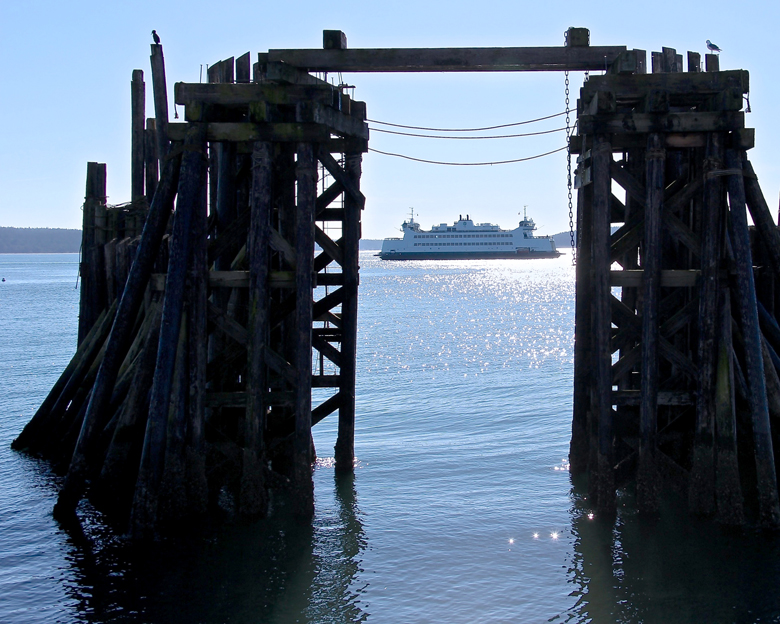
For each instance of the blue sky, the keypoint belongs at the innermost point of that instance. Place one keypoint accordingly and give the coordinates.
(65, 98)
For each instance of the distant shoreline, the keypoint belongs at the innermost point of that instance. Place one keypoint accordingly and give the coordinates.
(39, 240)
(59, 240)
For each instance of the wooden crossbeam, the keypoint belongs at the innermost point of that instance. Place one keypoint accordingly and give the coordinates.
(227, 325)
(277, 363)
(633, 397)
(637, 85)
(281, 132)
(327, 245)
(326, 408)
(672, 278)
(327, 349)
(340, 176)
(643, 123)
(326, 198)
(328, 302)
(245, 94)
(278, 243)
(325, 381)
(450, 59)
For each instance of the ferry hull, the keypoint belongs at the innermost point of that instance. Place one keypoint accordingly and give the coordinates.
(458, 255)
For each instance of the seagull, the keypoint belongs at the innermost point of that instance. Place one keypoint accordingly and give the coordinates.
(712, 47)
(156, 38)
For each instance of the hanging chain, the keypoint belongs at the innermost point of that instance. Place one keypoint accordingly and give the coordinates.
(568, 162)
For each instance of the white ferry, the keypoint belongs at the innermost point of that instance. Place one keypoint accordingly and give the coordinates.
(468, 240)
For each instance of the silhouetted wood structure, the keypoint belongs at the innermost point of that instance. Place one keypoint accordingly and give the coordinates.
(202, 337)
(672, 365)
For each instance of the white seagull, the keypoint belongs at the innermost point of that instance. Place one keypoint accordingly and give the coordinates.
(712, 47)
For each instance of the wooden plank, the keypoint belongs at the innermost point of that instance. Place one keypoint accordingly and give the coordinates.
(581, 446)
(326, 198)
(712, 62)
(762, 217)
(151, 158)
(244, 94)
(137, 119)
(285, 74)
(670, 278)
(602, 358)
(274, 132)
(243, 68)
(694, 62)
(449, 59)
(628, 87)
(647, 474)
(701, 497)
(325, 381)
(328, 302)
(769, 502)
(120, 338)
(657, 59)
(340, 176)
(160, 91)
(253, 497)
(306, 178)
(328, 246)
(326, 408)
(719, 121)
(328, 350)
(339, 123)
(669, 60)
(350, 243)
(728, 488)
(227, 325)
(191, 182)
(334, 40)
(665, 397)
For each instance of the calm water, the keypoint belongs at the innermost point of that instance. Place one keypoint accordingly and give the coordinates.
(460, 509)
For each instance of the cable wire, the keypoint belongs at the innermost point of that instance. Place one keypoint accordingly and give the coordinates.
(509, 125)
(473, 164)
(468, 138)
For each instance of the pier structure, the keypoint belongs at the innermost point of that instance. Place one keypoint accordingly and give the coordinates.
(676, 365)
(225, 292)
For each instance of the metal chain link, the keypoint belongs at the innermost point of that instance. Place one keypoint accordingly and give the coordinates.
(568, 163)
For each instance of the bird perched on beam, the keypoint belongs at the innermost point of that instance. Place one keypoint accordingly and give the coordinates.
(712, 47)
(156, 37)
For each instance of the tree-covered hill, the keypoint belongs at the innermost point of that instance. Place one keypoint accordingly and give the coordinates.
(39, 240)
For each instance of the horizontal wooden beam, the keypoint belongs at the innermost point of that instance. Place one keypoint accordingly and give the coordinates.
(326, 381)
(279, 132)
(636, 86)
(744, 138)
(643, 123)
(249, 93)
(450, 59)
(633, 397)
(670, 278)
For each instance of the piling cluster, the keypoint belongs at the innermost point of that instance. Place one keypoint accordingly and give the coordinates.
(676, 365)
(207, 312)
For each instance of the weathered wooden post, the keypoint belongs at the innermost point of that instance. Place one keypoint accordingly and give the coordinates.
(191, 179)
(92, 271)
(134, 223)
(604, 482)
(647, 474)
(769, 503)
(345, 443)
(306, 174)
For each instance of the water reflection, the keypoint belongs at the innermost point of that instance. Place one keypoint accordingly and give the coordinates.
(674, 569)
(280, 570)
